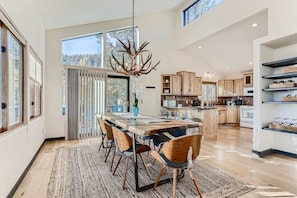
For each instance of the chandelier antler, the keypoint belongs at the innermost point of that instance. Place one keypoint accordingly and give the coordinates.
(135, 56)
(131, 66)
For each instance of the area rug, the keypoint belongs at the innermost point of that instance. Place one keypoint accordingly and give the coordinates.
(80, 172)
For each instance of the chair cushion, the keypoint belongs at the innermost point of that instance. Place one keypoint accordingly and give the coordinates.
(160, 139)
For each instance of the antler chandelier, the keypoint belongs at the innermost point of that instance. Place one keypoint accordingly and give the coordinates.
(132, 61)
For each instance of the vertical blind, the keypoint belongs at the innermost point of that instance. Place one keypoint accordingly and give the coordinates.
(86, 98)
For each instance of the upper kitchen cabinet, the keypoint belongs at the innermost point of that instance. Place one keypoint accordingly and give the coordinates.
(248, 79)
(198, 86)
(230, 87)
(171, 84)
(238, 87)
(188, 80)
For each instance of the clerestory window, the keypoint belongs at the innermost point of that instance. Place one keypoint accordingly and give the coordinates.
(197, 9)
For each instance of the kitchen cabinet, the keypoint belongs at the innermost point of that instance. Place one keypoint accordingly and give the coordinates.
(209, 119)
(198, 86)
(275, 104)
(238, 87)
(229, 87)
(232, 115)
(248, 79)
(221, 88)
(222, 115)
(171, 84)
(188, 80)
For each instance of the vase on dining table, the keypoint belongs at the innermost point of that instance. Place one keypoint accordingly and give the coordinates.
(135, 110)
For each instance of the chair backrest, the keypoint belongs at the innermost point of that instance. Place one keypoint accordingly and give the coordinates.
(102, 125)
(108, 129)
(176, 150)
(123, 140)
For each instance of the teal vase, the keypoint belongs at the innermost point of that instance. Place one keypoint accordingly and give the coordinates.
(135, 110)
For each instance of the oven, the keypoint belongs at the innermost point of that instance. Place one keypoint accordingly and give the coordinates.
(248, 91)
(246, 116)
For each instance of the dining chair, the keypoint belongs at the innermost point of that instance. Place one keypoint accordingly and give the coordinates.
(124, 145)
(107, 142)
(179, 154)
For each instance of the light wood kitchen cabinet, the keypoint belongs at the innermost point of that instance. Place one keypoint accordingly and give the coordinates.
(198, 86)
(221, 88)
(232, 115)
(222, 115)
(238, 87)
(228, 87)
(248, 79)
(171, 84)
(188, 80)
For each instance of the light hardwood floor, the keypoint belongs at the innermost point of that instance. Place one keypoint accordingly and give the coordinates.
(273, 175)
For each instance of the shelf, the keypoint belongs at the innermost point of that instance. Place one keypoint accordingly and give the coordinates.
(280, 76)
(281, 63)
(279, 89)
(279, 130)
(279, 102)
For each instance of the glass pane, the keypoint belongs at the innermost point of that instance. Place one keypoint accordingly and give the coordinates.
(117, 94)
(15, 63)
(112, 44)
(198, 8)
(32, 66)
(83, 51)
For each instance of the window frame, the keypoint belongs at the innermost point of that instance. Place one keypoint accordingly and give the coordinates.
(5, 32)
(35, 85)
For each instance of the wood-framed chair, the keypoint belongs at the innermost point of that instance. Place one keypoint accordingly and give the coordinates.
(107, 140)
(179, 153)
(124, 146)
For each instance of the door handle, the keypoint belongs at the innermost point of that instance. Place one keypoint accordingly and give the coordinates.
(3, 105)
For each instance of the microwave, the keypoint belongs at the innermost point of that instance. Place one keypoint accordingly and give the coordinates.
(248, 91)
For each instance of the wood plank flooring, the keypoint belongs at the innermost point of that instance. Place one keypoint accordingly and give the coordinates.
(273, 176)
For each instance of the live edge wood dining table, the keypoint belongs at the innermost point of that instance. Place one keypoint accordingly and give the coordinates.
(145, 125)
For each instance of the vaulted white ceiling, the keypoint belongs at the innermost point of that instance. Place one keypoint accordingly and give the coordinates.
(231, 47)
(63, 13)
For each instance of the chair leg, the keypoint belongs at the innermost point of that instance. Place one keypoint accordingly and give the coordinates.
(147, 171)
(174, 183)
(117, 164)
(195, 183)
(158, 152)
(114, 150)
(125, 173)
(109, 148)
(159, 177)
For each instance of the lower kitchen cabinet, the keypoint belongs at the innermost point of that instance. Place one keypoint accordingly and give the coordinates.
(228, 115)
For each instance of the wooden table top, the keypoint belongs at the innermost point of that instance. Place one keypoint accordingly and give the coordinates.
(148, 125)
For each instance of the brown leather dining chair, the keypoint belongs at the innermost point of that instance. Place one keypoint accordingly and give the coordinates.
(179, 153)
(124, 145)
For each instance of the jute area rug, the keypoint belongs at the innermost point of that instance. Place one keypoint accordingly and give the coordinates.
(80, 172)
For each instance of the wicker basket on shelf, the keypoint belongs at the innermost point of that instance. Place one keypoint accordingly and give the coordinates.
(283, 85)
(290, 69)
(289, 99)
(281, 127)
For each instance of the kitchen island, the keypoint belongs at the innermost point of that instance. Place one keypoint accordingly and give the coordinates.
(208, 116)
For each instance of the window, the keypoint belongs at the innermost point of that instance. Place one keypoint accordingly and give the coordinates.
(11, 68)
(35, 84)
(197, 9)
(83, 51)
(117, 94)
(113, 45)
(209, 92)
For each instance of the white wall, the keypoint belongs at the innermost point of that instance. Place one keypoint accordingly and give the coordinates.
(18, 146)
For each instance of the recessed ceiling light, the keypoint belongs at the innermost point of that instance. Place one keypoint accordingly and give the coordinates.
(227, 67)
(250, 62)
(254, 24)
(199, 47)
